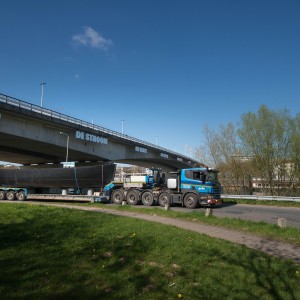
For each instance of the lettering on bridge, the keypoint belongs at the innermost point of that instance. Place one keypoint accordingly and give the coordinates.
(91, 137)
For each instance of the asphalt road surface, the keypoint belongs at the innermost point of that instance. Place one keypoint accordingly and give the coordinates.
(268, 214)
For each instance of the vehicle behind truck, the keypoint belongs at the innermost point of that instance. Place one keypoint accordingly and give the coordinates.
(188, 187)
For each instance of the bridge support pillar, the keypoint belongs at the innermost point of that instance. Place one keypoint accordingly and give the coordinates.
(64, 192)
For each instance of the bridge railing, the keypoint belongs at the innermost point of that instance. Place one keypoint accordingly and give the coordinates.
(53, 114)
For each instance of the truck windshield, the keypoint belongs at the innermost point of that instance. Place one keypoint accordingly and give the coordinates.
(202, 175)
(212, 176)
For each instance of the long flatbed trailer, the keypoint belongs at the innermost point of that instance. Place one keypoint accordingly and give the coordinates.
(53, 184)
(56, 197)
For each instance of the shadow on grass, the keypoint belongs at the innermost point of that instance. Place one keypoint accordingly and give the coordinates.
(246, 274)
(57, 257)
(62, 254)
(269, 276)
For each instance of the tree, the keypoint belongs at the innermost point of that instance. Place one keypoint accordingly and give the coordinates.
(267, 137)
(222, 150)
(265, 148)
(295, 155)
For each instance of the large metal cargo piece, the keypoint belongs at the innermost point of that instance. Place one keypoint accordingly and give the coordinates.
(76, 177)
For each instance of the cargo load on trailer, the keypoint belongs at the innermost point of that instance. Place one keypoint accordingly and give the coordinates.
(19, 182)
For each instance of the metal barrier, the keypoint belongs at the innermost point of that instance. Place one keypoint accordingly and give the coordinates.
(47, 112)
(257, 197)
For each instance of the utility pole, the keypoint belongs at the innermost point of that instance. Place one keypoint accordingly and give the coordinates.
(42, 96)
(67, 144)
(122, 126)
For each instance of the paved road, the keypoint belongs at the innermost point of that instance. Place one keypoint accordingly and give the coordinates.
(268, 214)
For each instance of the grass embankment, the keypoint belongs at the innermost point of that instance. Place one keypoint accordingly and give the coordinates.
(263, 202)
(264, 229)
(48, 252)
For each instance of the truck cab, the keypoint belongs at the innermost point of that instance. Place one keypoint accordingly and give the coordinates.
(203, 182)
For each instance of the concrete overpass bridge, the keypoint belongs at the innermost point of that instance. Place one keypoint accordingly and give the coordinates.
(30, 134)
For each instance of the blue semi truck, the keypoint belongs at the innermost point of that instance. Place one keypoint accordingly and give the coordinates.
(189, 187)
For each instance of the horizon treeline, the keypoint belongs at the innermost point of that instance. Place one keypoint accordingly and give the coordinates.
(260, 154)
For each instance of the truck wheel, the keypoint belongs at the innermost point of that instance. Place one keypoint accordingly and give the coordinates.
(21, 196)
(117, 196)
(190, 200)
(2, 195)
(132, 197)
(164, 198)
(10, 195)
(147, 198)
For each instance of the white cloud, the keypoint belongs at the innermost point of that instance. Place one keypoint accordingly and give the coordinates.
(91, 38)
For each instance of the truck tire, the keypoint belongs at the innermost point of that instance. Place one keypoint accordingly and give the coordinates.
(156, 177)
(2, 195)
(164, 198)
(190, 200)
(21, 196)
(117, 196)
(163, 179)
(147, 198)
(132, 197)
(11, 195)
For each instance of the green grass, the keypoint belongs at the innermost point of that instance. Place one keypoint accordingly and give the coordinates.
(264, 229)
(57, 253)
(263, 202)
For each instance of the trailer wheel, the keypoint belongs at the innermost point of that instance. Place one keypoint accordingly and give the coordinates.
(2, 195)
(147, 198)
(164, 198)
(11, 195)
(117, 196)
(132, 197)
(190, 200)
(21, 196)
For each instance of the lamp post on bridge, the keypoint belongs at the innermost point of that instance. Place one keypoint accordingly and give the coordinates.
(42, 95)
(67, 144)
(122, 126)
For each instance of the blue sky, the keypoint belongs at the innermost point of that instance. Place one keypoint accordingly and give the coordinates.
(166, 67)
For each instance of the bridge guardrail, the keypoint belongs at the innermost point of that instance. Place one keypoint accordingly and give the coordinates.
(60, 116)
(257, 197)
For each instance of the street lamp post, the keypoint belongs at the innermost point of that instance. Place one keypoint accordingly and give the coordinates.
(122, 126)
(42, 95)
(67, 144)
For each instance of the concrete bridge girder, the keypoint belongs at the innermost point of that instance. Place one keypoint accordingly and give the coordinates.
(29, 137)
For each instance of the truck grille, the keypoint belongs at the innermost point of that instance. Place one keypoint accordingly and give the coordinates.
(217, 192)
